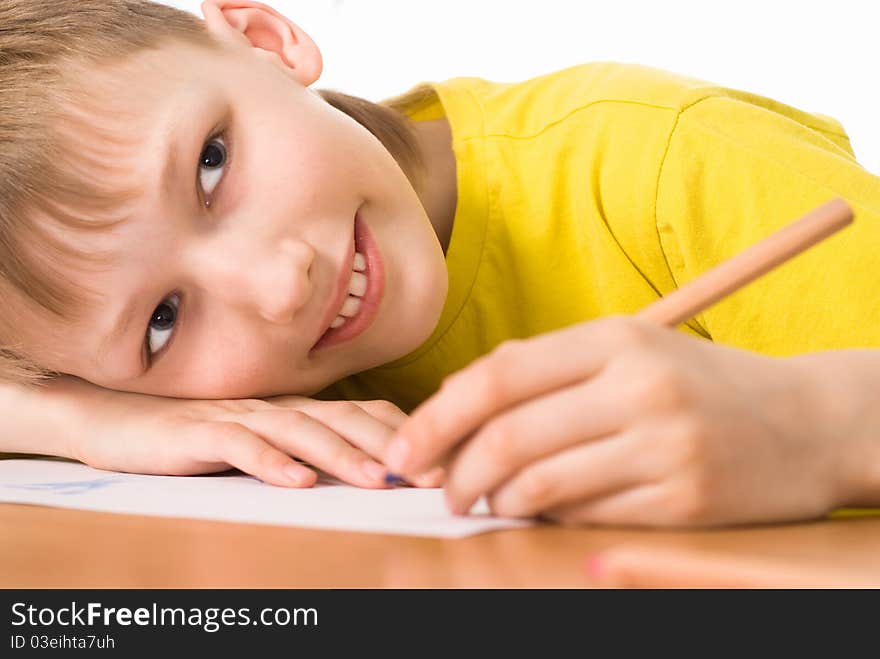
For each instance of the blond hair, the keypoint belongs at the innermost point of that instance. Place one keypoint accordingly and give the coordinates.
(41, 174)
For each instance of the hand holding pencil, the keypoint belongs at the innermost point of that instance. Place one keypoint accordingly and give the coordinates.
(623, 420)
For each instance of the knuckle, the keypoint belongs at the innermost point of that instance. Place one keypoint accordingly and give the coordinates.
(627, 331)
(507, 349)
(252, 404)
(434, 478)
(385, 407)
(287, 399)
(689, 443)
(496, 441)
(229, 406)
(295, 416)
(538, 487)
(449, 380)
(346, 458)
(488, 379)
(487, 376)
(266, 457)
(223, 410)
(225, 435)
(690, 504)
(339, 408)
(430, 424)
(526, 496)
(241, 405)
(504, 506)
(657, 384)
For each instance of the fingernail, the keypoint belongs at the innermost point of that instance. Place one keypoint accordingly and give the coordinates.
(593, 566)
(398, 452)
(293, 474)
(374, 470)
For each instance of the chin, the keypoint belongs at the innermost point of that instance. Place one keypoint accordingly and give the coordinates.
(423, 323)
(428, 285)
(397, 343)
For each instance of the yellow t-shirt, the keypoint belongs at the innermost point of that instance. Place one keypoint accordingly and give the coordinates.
(597, 189)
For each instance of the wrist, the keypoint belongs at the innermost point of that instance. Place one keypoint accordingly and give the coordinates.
(841, 411)
(73, 404)
(45, 418)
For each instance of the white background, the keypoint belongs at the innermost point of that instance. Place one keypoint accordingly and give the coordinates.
(818, 56)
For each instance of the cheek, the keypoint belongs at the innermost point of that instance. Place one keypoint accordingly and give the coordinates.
(300, 174)
(331, 149)
(224, 368)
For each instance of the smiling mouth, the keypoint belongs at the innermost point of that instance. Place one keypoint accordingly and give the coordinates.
(363, 292)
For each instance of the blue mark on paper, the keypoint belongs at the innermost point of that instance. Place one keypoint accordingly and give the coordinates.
(68, 487)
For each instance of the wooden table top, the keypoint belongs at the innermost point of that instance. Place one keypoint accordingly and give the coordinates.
(42, 547)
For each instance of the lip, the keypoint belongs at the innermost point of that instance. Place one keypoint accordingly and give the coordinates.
(340, 288)
(363, 242)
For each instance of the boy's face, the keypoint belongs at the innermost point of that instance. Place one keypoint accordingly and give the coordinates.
(255, 272)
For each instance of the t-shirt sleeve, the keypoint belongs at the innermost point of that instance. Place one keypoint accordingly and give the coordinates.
(733, 174)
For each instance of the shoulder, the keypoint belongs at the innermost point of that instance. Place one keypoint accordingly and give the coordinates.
(527, 107)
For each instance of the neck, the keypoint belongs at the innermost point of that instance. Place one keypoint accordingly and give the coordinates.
(439, 190)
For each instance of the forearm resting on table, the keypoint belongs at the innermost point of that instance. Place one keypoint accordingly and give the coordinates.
(845, 408)
(41, 419)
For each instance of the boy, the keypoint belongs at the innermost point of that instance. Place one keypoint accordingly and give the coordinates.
(277, 245)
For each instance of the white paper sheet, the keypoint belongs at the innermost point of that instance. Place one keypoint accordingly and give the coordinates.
(241, 498)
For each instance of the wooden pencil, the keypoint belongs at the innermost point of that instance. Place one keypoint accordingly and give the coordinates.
(737, 271)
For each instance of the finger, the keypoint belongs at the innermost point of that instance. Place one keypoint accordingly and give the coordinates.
(355, 423)
(577, 474)
(237, 446)
(383, 410)
(435, 477)
(299, 434)
(531, 431)
(643, 505)
(386, 411)
(432, 478)
(513, 372)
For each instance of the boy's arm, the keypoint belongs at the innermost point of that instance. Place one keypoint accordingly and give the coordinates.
(40, 419)
(138, 433)
(735, 172)
(845, 406)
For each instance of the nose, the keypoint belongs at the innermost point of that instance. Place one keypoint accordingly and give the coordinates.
(274, 281)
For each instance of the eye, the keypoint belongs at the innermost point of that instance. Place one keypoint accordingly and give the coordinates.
(161, 325)
(211, 164)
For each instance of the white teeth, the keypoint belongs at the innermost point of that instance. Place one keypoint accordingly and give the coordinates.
(358, 284)
(350, 306)
(360, 262)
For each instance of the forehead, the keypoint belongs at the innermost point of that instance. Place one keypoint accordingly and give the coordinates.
(118, 126)
(112, 127)
(122, 98)
(123, 111)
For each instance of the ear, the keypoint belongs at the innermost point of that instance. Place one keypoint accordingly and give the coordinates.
(258, 26)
